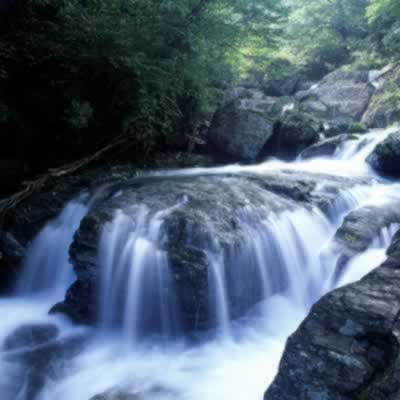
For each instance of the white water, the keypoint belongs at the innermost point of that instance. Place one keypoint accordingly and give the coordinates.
(136, 277)
(291, 259)
(46, 267)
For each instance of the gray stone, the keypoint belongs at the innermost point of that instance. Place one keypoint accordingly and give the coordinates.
(211, 210)
(385, 158)
(30, 336)
(348, 347)
(240, 129)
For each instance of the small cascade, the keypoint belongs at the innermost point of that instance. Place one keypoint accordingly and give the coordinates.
(360, 149)
(275, 253)
(364, 263)
(46, 267)
(218, 297)
(137, 295)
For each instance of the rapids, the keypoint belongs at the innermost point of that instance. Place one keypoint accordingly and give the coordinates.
(139, 349)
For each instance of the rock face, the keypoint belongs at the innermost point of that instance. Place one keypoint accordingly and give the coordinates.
(30, 335)
(381, 114)
(348, 346)
(293, 133)
(23, 223)
(240, 130)
(360, 228)
(33, 366)
(209, 212)
(242, 127)
(384, 107)
(340, 95)
(385, 159)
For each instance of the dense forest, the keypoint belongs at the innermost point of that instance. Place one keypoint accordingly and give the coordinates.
(200, 199)
(76, 74)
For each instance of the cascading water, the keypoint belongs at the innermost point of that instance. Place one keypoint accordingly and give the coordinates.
(46, 266)
(46, 275)
(290, 261)
(136, 277)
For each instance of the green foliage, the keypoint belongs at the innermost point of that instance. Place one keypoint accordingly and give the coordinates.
(326, 24)
(77, 72)
(382, 8)
(358, 127)
(323, 35)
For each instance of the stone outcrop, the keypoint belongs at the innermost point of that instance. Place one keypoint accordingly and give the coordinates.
(385, 159)
(348, 346)
(240, 129)
(209, 211)
(282, 117)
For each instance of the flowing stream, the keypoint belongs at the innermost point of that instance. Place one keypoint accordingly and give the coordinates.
(139, 350)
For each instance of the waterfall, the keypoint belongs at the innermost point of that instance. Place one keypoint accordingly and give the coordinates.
(259, 288)
(46, 266)
(137, 294)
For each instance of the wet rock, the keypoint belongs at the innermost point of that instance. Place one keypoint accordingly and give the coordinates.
(30, 335)
(348, 346)
(26, 220)
(48, 361)
(117, 396)
(210, 211)
(360, 228)
(240, 129)
(340, 94)
(336, 127)
(385, 159)
(11, 254)
(294, 132)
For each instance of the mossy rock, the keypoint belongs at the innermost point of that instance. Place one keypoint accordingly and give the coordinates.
(358, 127)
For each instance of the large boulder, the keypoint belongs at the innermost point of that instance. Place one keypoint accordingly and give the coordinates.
(350, 336)
(360, 228)
(293, 133)
(348, 346)
(240, 129)
(339, 94)
(209, 215)
(385, 159)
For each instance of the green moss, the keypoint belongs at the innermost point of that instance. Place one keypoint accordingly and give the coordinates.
(349, 237)
(357, 127)
(390, 93)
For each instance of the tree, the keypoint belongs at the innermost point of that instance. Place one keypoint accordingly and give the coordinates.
(382, 8)
(74, 73)
(326, 24)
